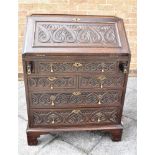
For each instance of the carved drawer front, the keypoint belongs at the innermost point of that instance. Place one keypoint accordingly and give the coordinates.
(52, 82)
(101, 81)
(51, 100)
(78, 66)
(44, 118)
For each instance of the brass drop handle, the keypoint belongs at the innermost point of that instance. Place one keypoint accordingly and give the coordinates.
(103, 65)
(76, 111)
(98, 120)
(52, 103)
(52, 98)
(77, 64)
(51, 65)
(101, 78)
(29, 69)
(52, 79)
(99, 117)
(77, 93)
(76, 19)
(101, 86)
(99, 97)
(53, 121)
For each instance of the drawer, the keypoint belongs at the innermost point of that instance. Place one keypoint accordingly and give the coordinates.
(78, 66)
(71, 117)
(75, 99)
(101, 81)
(52, 82)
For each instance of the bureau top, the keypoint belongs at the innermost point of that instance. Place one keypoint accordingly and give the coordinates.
(71, 34)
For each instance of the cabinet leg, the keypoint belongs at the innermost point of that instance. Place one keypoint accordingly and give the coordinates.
(116, 135)
(32, 138)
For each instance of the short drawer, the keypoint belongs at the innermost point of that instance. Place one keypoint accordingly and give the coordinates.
(52, 82)
(75, 99)
(101, 81)
(71, 117)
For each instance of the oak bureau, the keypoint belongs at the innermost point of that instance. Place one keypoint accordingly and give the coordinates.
(75, 73)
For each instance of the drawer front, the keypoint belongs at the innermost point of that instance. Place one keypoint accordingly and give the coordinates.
(101, 81)
(78, 66)
(49, 118)
(52, 82)
(76, 98)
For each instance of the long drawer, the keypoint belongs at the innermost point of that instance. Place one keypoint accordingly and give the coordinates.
(71, 117)
(76, 64)
(75, 99)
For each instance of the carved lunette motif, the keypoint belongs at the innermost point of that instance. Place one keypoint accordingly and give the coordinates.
(52, 34)
(80, 117)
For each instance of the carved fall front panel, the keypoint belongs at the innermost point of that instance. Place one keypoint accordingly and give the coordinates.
(75, 117)
(75, 98)
(76, 34)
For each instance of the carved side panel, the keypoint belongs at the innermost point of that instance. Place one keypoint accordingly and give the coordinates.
(59, 99)
(101, 81)
(75, 117)
(53, 34)
(45, 67)
(51, 82)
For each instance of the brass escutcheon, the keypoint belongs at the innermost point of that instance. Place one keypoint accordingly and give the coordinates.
(99, 114)
(52, 78)
(76, 19)
(102, 77)
(76, 111)
(77, 64)
(77, 93)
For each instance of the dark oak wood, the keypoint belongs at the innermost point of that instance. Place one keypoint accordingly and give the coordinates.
(75, 73)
